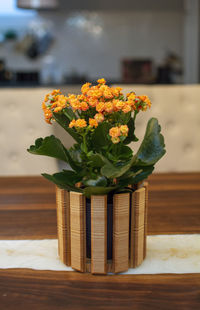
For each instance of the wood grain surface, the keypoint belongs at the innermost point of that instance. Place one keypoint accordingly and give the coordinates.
(28, 207)
(137, 227)
(50, 290)
(121, 208)
(99, 234)
(78, 231)
(27, 211)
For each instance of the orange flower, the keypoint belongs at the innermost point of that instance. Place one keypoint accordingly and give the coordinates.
(93, 122)
(81, 97)
(124, 130)
(57, 109)
(75, 103)
(132, 104)
(131, 96)
(72, 123)
(48, 115)
(114, 132)
(126, 108)
(61, 101)
(108, 93)
(56, 92)
(99, 117)
(118, 104)
(85, 88)
(81, 123)
(43, 105)
(94, 92)
(100, 107)
(92, 102)
(101, 81)
(84, 106)
(108, 107)
(146, 100)
(116, 91)
(115, 140)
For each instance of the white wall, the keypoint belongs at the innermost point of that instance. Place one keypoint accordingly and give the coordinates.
(97, 50)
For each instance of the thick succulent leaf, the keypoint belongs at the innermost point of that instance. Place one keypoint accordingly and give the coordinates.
(152, 147)
(96, 190)
(64, 121)
(131, 133)
(111, 171)
(139, 174)
(146, 171)
(95, 161)
(126, 117)
(129, 174)
(52, 147)
(121, 152)
(49, 146)
(68, 176)
(100, 136)
(100, 181)
(61, 181)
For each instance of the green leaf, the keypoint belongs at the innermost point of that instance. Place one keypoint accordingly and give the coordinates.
(62, 180)
(126, 117)
(152, 147)
(68, 176)
(133, 177)
(99, 137)
(146, 171)
(129, 174)
(111, 171)
(100, 181)
(95, 161)
(121, 152)
(52, 147)
(49, 146)
(131, 133)
(64, 121)
(95, 190)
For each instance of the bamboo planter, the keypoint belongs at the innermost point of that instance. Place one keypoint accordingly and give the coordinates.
(98, 237)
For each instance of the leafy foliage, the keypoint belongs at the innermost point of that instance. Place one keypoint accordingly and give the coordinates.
(152, 147)
(51, 146)
(101, 160)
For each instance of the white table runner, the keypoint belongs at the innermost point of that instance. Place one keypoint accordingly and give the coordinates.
(165, 254)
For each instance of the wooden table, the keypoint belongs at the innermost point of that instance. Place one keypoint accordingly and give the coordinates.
(27, 211)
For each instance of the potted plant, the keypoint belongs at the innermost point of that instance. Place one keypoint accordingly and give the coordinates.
(101, 210)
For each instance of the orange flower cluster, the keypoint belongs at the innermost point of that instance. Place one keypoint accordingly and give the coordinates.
(96, 104)
(53, 102)
(116, 132)
(79, 123)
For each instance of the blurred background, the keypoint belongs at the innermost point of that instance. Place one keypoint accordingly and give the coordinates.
(148, 46)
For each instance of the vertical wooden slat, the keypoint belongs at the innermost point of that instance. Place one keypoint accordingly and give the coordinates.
(121, 206)
(137, 227)
(78, 231)
(145, 217)
(63, 225)
(99, 234)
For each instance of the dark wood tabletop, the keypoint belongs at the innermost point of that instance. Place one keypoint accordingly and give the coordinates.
(28, 211)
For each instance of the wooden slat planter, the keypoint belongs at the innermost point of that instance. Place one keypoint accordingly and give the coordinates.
(125, 226)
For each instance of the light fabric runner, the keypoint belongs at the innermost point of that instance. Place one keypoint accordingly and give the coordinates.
(165, 254)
